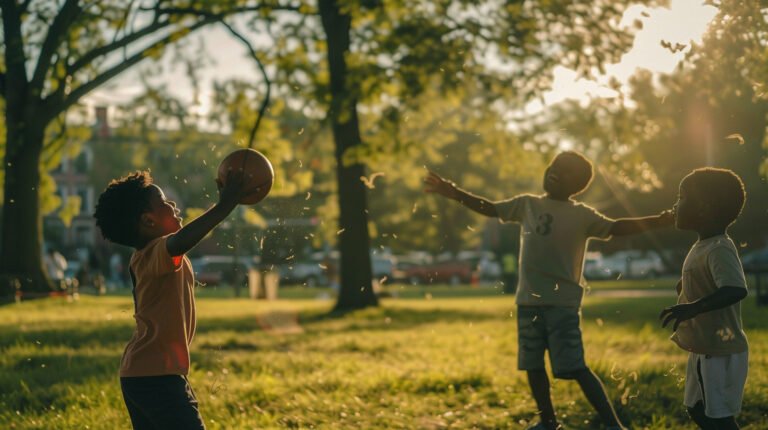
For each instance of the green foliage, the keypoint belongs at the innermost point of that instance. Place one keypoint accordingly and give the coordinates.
(710, 111)
(432, 82)
(447, 363)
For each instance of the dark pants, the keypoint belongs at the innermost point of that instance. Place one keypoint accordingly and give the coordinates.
(161, 402)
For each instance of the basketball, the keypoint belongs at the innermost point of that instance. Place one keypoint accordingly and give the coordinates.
(257, 173)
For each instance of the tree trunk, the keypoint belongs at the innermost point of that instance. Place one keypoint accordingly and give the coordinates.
(21, 230)
(356, 291)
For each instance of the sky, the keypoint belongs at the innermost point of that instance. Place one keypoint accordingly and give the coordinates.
(684, 21)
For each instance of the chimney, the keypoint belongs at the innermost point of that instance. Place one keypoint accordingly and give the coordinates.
(102, 123)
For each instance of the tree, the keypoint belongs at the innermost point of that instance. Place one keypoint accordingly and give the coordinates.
(711, 111)
(379, 56)
(54, 54)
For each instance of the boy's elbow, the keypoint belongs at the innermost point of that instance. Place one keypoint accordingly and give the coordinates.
(737, 293)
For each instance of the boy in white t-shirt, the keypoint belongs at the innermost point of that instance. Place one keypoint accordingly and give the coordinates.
(707, 317)
(554, 235)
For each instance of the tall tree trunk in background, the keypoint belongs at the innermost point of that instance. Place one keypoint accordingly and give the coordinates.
(356, 290)
(21, 233)
(21, 261)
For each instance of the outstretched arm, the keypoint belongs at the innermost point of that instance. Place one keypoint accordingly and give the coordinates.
(723, 297)
(188, 236)
(436, 184)
(628, 226)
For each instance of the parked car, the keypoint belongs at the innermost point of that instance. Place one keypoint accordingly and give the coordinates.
(756, 261)
(484, 263)
(595, 268)
(443, 269)
(320, 268)
(383, 265)
(634, 264)
(312, 272)
(222, 270)
(404, 264)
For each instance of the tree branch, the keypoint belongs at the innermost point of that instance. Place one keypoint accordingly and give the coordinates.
(124, 21)
(268, 83)
(88, 57)
(56, 106)
(203, 12)
(2, 84)
(58, 28)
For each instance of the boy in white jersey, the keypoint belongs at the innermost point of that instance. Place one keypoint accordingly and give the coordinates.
(554, 234)
(707, 317)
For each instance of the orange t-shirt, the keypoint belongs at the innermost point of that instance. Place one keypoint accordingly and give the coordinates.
(164, 305)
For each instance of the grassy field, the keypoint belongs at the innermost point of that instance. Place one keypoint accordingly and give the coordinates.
(437, 291)
(412, 364)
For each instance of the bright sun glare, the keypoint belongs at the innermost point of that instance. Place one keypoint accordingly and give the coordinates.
(685, 21)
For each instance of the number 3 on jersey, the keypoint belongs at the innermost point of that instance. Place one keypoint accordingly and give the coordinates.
(545, 224)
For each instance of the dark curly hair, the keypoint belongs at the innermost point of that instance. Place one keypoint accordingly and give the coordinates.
(720, 188)
(120, 207)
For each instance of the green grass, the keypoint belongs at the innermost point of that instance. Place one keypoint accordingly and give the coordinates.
(410, 364)
(434, 291)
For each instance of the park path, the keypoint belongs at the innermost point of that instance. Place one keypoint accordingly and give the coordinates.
(280, 322)
(632, 294)
(284, 322)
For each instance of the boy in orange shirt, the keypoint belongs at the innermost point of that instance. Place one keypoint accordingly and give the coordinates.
(134, 212)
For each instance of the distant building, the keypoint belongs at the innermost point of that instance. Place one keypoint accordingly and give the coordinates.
(72, 178)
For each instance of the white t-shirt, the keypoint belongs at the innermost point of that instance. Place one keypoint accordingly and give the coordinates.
(553, 242)
(711, 264)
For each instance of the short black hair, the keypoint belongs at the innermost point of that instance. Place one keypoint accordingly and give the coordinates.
(120, 207)
(584, 170)
(722, 189)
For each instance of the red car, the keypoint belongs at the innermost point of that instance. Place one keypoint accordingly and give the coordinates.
(451, 272)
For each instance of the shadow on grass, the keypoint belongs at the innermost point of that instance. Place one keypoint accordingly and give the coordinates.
(387, 318)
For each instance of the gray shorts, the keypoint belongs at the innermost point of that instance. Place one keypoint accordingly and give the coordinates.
(717, 381)
(553, 328)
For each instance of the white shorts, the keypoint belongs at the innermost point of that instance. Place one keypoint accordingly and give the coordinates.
(717, 381)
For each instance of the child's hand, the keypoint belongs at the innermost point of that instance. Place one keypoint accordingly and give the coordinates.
(436, 184)
(233, 190)
(678, 314)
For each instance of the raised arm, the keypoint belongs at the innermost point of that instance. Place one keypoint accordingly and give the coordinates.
(723, 297)
(188, 236)
(628, 226)
(436, 184)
